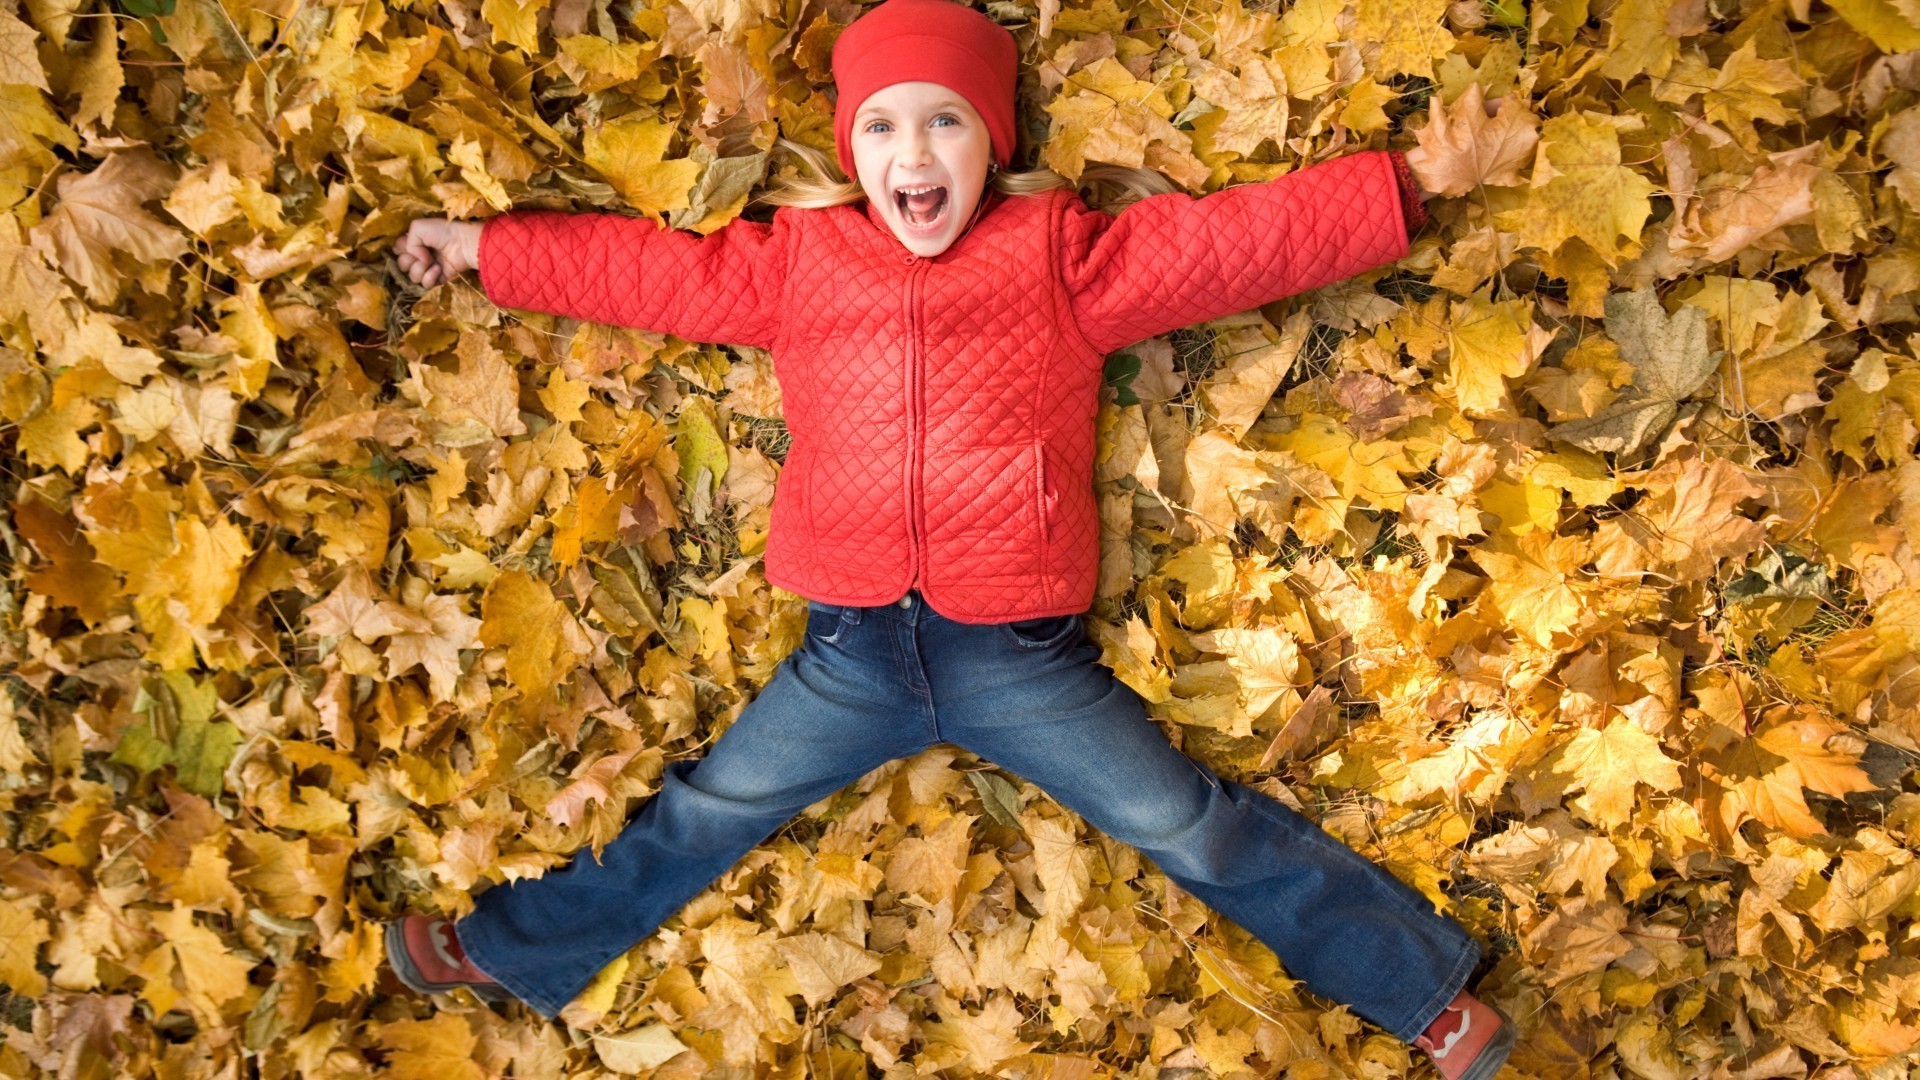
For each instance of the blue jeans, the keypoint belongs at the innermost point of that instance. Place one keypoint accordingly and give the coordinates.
(871, 684)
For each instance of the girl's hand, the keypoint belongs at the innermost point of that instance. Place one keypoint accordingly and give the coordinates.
(437, 250)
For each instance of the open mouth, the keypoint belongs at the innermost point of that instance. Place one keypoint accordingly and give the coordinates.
(924, 207)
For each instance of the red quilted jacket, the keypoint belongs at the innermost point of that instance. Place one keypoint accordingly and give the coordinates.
(942, 409)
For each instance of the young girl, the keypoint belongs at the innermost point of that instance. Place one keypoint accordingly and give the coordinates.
(940, 348)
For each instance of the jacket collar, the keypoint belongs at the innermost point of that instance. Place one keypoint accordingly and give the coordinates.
(988, 199)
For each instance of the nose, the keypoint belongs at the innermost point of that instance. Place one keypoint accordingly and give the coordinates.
(919, 148)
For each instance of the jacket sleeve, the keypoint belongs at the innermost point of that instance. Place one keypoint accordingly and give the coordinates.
(722, 288)
(1172, 260)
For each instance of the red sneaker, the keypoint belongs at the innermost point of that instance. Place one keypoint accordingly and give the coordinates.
(425, 952)
(1469, 1040)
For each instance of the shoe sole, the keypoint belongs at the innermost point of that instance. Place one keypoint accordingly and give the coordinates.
(1494, 1054)
(404, 967)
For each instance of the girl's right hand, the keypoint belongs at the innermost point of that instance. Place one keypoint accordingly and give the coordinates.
(437, 250)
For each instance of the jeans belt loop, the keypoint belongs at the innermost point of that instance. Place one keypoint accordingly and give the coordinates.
(852, 614)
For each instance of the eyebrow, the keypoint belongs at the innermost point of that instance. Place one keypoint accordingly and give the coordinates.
(881, 110)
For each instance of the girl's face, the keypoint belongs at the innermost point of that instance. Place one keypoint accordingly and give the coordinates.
(922, 153)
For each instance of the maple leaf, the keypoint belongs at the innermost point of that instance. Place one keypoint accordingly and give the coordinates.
(1726, 218)
(99, 214)
(1529, 583)
(1580, 936)
(1762, 776)
(73, 578)
(630, 153)
(1464, 145)
(27, 125)
(1258, 357)
(986, 1038)
(209, 974)
(22, 932)
(18, 63)
(1252, 105)
(1608, 762)
(1489, 343)
(1581, 189)
(1265, 663)
(1108, 115)
(1670, 360)
(593, 785)
(436, 645)
(1735, 91)
(542, 638)
(356, 607)
(438, 1048)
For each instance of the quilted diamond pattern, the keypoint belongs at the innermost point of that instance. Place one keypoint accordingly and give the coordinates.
(1172, 260)
(942, 409)
(628, 271)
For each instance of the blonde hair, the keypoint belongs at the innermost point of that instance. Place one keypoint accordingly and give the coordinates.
(828, 186)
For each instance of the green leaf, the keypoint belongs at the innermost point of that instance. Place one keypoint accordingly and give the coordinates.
(140, 749)
(1001, 799)
(201, 755)
(179, 730)
(1119, 373)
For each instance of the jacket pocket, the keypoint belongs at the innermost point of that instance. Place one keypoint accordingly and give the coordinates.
(1042, 498)
(796, 471)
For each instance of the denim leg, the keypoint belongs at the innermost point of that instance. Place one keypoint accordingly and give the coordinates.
(1347, 928)
(831, 713)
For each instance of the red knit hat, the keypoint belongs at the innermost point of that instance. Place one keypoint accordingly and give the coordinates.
(939, 41)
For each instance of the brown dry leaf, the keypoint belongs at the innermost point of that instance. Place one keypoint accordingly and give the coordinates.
(99, 213)
(1669, 359)
(1473, 142)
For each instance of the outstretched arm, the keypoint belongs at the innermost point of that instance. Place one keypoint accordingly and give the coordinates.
(1172, 260)
(722, 288)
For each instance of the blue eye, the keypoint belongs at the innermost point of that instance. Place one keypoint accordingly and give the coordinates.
(877, 125)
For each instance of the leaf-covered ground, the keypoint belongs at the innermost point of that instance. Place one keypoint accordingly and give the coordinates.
(1566, 568)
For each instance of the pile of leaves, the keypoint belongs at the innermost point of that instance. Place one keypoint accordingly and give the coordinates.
(1565, 568)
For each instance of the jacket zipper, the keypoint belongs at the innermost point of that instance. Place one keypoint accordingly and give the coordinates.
(916, 437)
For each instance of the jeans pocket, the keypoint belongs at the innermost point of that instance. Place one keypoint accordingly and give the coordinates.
(825, 622)
(1042, 633)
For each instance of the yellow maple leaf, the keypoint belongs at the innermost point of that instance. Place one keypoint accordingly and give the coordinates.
(1530, 584)
(1891, 27)
(1401, 37)
(1488, 343)
(1762, 776)
(438, 1048)
(631, 153)
(1608, 762)
(99, 215)
(1581, 189)
(513, 21)
(1360, 470)
(543, 639)
(1638, 40)
(202, 572)
(211, 976)
(22, 932)
(1105, 114)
